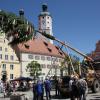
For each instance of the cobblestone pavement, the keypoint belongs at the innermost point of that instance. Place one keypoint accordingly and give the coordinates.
(90, 96)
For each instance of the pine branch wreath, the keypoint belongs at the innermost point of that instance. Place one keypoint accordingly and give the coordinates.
(16, 29)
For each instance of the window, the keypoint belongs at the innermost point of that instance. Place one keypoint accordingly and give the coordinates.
(11, 57)
(0, 56)
(56, 59)
(43, 66)
(46, 44)
(6, 57)
(0, 48)
(26, 46)
(49, 66)
(37, 57)
(6, 49)
(48, 58)
(60, 53)
(11, 67)
(11, 76)
(42, 57)
(53, 59)
(57, 47)
(50, 50)
(42, 73)
(48, 27)
(4, 66)
(60, 60)
(30, 56)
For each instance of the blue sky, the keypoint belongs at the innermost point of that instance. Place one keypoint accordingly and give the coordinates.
(74, 21)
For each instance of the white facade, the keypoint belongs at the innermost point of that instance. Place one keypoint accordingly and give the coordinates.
(45, 23)
(46, 63)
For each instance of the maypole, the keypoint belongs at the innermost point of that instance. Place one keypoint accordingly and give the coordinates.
(65, 44)
(16, 28)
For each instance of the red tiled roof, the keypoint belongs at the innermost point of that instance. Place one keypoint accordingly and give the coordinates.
(39, 46)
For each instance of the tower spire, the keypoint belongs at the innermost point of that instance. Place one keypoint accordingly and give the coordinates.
(45, 22)
(44, 8)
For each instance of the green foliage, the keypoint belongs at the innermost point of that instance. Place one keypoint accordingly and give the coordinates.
(34, 68)
(75, 60)
(19, 28)
(48, 36)
(70, 61)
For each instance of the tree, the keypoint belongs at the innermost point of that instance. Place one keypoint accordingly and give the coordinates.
(64, 65)
(34, 68)
(71, 64)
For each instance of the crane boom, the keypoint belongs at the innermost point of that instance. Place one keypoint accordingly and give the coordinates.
(91, 76)
(70, 47)
(65, 44)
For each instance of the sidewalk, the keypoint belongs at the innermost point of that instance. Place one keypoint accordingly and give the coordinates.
(29, 95)
(90, 96)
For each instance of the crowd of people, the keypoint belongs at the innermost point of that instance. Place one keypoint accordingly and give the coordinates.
(77, 87)
(39, 87)
(8, 87)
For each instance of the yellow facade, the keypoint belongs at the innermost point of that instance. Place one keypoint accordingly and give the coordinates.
(9, 63)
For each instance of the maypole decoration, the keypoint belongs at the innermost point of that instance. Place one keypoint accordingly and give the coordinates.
(16, 28)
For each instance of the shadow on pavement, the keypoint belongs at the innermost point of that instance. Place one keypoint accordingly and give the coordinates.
(58, 97)
(96, 98)
(95, 95)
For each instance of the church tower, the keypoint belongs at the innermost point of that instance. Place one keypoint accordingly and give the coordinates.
(45, 22)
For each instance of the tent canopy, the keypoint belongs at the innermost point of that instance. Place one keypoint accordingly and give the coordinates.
(23, 79)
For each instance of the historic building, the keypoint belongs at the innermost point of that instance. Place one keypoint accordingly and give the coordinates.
(45, 22)
(40, 49)
(46, 54)
(9, 64)
(95, 55)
